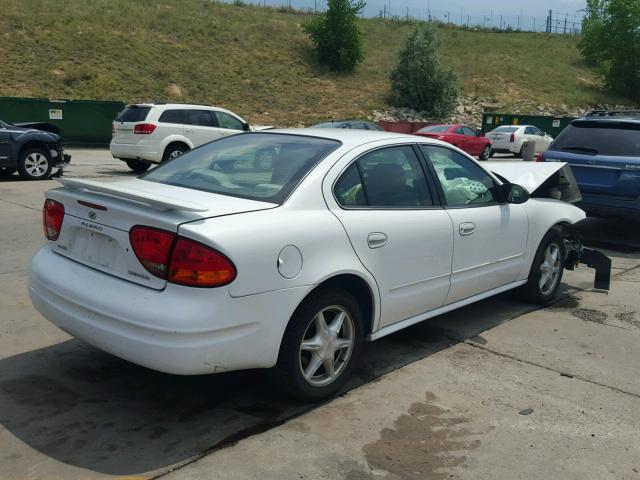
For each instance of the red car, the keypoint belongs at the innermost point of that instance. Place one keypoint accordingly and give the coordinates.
(464, 138)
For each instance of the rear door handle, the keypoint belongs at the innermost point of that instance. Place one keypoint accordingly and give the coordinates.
(376, 240)
(467, 228)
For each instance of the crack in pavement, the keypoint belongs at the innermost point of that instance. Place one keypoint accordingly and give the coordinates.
(550, 369)
(20, 205)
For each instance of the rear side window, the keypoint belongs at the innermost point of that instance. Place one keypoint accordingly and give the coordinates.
(133, 113)
(228, 121)
(200, 118)
(617, 139)
(386, 178)
(172, 116)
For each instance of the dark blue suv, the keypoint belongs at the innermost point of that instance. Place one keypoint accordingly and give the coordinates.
(603, 149)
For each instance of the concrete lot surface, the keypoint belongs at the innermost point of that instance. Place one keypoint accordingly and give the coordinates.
(497, 390)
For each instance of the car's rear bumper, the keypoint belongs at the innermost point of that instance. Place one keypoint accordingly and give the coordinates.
(132, 151)
(505, 147)
(608, 205)
(178, 330)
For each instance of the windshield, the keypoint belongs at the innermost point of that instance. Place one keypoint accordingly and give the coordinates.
(505, 130)
(330, 125)
(617, 139)
(435, 129)
(257, 166)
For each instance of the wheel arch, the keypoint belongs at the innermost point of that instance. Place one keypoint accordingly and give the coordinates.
(32, 144)
(172, 139)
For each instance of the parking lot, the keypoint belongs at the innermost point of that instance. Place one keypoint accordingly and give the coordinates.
(499, 389)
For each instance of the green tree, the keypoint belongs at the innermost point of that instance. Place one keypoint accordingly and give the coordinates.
(418, 80)
(611, 41)
(336, 36)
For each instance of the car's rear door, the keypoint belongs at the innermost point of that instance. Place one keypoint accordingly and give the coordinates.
(604, 156)
(489, 238)
(400, 233)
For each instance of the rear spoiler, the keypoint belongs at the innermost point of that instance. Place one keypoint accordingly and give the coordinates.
(155, 201)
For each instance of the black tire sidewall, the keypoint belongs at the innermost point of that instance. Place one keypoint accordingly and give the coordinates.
(287, 374)
(532, 287)
(172, 148)
(487, 155)
(138, 166)
(23, 171)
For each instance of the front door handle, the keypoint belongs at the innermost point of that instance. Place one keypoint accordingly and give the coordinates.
(376, 240)
(467, 228)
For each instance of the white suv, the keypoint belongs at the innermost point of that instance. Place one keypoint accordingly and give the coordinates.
(148, 133)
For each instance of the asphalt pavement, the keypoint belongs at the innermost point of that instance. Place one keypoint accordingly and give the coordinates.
(497, 390)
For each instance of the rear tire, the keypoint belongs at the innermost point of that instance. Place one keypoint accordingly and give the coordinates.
(138, 166)
(320, 346)
(546, 270)
(173, 151)
(34, 164)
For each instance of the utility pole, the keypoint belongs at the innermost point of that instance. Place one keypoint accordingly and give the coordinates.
(384, 13)
(566, 15)
(500, 22)
(461, 17)
(534, 24)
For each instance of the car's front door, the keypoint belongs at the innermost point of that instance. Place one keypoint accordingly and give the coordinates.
(489, 238)
(400, 233)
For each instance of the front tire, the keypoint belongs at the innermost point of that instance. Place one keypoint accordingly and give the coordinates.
(547, 269)
(321, 346)
(34, 164)
(138, 166)
(486, 153)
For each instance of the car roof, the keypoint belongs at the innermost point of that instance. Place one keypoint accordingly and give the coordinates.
(349, 137)
(611, 119)
(176, 105)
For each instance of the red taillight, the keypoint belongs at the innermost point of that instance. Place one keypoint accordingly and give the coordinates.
(152, 247)
(180, 260)
(144, 128)
(52, 217)
(513, 138)
(539, 157)
(197, 265)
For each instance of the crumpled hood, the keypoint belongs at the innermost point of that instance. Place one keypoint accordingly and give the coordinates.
(533, 175)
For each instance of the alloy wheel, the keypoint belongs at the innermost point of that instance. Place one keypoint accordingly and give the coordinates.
(327, 345)
(550, 269)
(36, 164)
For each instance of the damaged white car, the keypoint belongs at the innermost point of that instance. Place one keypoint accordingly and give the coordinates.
(288, 249)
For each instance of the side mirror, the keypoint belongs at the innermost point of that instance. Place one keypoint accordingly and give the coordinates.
(479, 132)
(246, 127)
(513, 193)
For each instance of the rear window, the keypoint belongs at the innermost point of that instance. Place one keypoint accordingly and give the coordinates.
(505, 130)
(617, 139)
(435, 129)
(257, 166)
(133, 113)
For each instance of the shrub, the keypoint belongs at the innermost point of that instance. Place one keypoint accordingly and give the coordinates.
(336, 36)
(611, 41)
(419, 81)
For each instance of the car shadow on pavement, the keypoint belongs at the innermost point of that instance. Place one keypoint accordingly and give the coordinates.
(91, 410)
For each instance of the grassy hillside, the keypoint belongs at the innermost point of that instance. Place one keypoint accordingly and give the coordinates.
(255, 61)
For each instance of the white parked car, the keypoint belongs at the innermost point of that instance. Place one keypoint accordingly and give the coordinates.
(509, 139)
(289, 248)
(153, 133)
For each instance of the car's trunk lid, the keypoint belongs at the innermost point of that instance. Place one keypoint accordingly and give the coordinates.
(124, 124)
(99, 216)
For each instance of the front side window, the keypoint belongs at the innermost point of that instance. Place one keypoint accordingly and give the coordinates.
(463, 182)
(385, 178)
(257, 166)
(229, 121)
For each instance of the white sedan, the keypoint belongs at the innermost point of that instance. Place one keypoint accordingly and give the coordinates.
(509, 139)
(288, 249)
